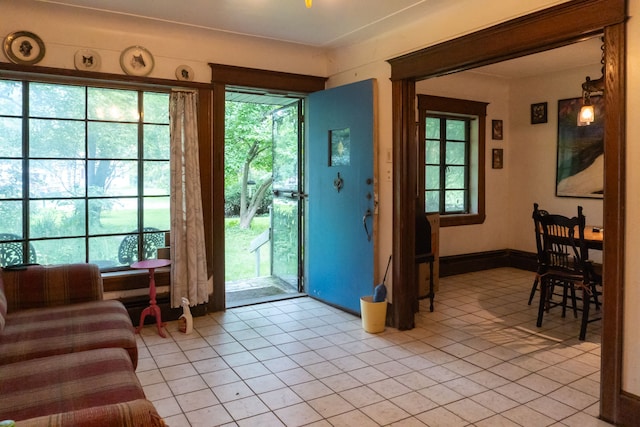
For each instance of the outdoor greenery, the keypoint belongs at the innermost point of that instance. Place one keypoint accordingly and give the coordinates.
(85, 177)
(240, 263)
(449, 137)
(261, 151)
(248, 158)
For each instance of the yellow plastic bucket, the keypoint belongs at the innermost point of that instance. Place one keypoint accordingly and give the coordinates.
(374, 314)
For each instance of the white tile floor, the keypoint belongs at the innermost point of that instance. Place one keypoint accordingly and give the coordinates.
(478, 360)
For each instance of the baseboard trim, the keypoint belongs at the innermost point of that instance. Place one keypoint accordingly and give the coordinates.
(478, 261)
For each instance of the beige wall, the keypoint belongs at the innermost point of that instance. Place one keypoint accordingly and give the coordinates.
(530, 157)
(66, 30)
(532, 154)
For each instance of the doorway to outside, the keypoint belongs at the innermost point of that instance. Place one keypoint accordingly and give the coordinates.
(263, 197)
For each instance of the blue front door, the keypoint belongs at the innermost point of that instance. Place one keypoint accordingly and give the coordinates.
(341, 213)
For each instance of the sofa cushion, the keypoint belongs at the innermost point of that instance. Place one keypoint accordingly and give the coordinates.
(137, 413)
(68, 382)
(37, 286)
(43, 332)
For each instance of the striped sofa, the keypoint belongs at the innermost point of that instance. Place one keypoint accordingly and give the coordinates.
(67, 357)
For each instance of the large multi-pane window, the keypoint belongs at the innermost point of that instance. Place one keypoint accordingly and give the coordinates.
(84, 173)
(452, 143)
(446, 164)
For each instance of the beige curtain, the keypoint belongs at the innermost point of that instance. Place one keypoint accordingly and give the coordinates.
(189, 267)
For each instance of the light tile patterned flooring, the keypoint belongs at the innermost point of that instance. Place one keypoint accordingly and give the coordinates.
(477, 360)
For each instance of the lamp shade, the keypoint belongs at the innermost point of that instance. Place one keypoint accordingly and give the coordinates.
(586, 115)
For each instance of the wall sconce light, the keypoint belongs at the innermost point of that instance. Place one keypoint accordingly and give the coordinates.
(587, 113)
(308, 3)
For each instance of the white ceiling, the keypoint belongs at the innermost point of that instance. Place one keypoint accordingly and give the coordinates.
(327, 24)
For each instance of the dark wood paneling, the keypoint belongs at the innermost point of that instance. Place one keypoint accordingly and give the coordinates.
(468, 263)
(133, 279)
(264, 79)
(614, 405)
(205, 151)
(136, 305)
(217, 302)
(552, 27)
(405, 291)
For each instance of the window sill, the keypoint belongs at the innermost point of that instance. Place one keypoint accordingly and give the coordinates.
(127, 280)
(464, 219)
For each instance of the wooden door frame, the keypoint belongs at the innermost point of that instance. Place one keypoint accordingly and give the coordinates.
(228, 75)
(550, 28)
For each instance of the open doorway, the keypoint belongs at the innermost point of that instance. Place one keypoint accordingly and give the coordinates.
(263, 181)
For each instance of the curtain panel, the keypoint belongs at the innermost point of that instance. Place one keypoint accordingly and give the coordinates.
(188, 252)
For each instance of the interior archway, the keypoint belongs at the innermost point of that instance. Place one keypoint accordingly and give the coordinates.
(549, 28)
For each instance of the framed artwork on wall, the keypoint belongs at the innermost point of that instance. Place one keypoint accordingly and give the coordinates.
(496, 129)
(538, 113)
(497, 158)
(580, 157)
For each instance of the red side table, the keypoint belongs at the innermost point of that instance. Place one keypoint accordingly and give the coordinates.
(153, 309)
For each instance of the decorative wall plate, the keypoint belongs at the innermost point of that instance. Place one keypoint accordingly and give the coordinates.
(87, 59)
(136, 61)
(23, 47)
(184, 72)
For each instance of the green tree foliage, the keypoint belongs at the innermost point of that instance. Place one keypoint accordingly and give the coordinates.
(248, 155)
(81, 142)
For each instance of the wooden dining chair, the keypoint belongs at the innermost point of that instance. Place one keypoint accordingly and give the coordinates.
(592, 293)
(564, 262)
(538, 233)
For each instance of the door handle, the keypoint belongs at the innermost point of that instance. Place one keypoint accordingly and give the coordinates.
(364, 223)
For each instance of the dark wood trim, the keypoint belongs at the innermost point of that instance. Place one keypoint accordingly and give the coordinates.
(127, 280)
(553, 27)
(479, 261)
(614, 404)
(9, 70)
(217, 302)
(467, 263)
(627, 408)
(404, 205)
(205, 151)
(264, 80)
(287, 83)
(207, 172)
(430, 103)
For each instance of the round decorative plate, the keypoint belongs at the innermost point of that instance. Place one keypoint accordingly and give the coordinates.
(184, 72)
(136, 61)
(23, 47)
(86, 59)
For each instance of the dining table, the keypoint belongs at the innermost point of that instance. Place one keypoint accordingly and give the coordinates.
(593, 237)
